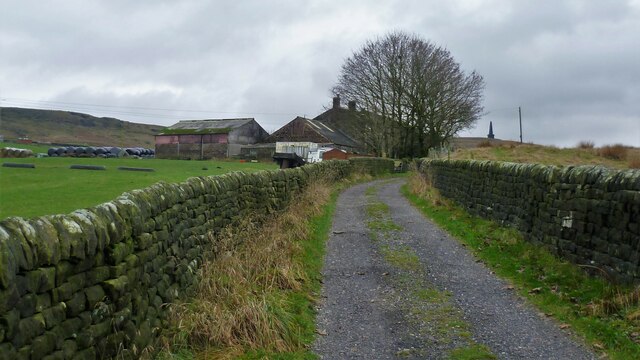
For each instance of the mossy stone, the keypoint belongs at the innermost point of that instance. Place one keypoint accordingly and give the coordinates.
(17, 253)
(71, 236)
(9, 322)
(87, 353)
(90, 239)
(94, 295)
(69, 348)
(64, 269)
(55, 315)
(76, 304)
(27, 305)
(71, 327)
(63, 292)
(43, 301)
(8, 351)
(58, 355)
(28, 328)
(43, 345)
(9, 297)
(47, 245)
(97, 275)
(116, 287)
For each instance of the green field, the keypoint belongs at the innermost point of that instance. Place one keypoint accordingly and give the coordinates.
(53, 188)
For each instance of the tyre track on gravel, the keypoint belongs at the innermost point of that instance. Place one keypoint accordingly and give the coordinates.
(365, 313)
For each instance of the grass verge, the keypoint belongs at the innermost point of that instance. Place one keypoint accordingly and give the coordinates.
(257, 297)
(607, 316)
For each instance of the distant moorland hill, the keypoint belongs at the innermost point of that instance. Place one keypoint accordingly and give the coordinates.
(65, 127)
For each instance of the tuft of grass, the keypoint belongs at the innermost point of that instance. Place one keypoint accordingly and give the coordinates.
(472, 352)
(613, 152)
(607, 316)
(403, 258)
(256, 297)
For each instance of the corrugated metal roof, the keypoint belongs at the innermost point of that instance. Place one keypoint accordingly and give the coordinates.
(206, 126)
(211, 124)
(336, 136)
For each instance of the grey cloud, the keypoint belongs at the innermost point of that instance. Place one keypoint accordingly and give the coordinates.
(571, 65)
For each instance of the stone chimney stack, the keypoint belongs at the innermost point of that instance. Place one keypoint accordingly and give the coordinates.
(352, 105)
(336, 101)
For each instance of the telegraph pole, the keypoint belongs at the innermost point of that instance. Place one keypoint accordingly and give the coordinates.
(520, 117)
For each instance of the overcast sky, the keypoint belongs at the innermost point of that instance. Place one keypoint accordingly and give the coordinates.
(573, 66)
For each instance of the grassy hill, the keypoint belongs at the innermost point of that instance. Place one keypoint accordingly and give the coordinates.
(614, 156)
(53, 126)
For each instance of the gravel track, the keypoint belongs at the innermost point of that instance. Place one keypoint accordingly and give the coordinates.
(364, 312)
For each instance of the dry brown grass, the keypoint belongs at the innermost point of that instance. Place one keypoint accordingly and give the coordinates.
(236, 304)
(614, 152)
(634, 159)
(421, 185)
(586, 144)
(548, 155)
(485, 143)
(626, 302)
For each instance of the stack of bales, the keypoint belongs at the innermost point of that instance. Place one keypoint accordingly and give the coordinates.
(104, 152)
(9, 152)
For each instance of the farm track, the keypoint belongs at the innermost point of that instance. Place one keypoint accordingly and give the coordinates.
(396, 286)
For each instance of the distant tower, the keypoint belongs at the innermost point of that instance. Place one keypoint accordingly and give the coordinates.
(491, 136)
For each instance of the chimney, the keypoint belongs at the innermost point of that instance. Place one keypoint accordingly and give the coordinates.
(336, 101)
(352, 105)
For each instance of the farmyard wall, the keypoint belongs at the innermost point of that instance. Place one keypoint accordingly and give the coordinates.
(92, 284)
(586, 214)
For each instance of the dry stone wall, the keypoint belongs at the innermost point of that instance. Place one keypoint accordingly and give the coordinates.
(586, 214)
(93, 283)
(371, 165)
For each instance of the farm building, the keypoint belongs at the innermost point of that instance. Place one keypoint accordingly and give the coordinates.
(344, 119)
(262, 151)
(336, 154)
(307, 130)
(206, 139)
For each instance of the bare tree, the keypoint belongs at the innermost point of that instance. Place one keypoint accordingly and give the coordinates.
(414, 96)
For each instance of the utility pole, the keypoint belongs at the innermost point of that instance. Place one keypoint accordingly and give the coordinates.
(520, 117)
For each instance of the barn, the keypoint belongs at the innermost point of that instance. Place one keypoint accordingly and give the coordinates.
(307, 130)
(207, 139)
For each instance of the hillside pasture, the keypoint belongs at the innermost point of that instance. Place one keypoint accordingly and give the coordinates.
(53, 188)
(548, 155)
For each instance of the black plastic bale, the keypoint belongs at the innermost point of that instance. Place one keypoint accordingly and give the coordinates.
(127, 168)
(17, 165)
(87, 167)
